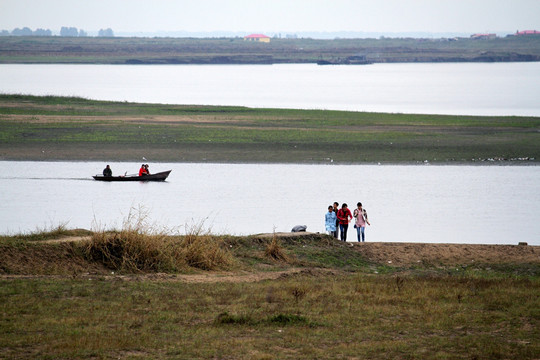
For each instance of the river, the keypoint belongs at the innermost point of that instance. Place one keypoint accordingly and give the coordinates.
(422, 203)
(427, 88)
(474, 204)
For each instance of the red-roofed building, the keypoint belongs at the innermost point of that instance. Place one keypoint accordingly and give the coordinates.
(257, 37)
(528, 32)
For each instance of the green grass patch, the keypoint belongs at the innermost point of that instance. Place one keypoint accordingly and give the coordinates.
(353, 316)
(55, 232)
(80, 129)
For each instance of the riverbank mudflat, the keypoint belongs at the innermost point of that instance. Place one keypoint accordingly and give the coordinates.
(56, 128)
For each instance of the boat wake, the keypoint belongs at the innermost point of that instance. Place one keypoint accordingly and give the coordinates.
(43, 178)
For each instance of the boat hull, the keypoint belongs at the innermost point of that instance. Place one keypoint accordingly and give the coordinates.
(161, 176)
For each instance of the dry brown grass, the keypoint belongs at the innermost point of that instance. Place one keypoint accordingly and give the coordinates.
(142, 248)
(275, 251)
(202, 250)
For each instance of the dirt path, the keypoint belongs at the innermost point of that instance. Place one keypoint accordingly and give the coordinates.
(67, 239)
(398, 254)
(225, 277)
(210, 277)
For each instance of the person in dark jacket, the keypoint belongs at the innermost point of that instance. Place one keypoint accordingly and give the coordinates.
(107, 171)
(344, 216)
(336, 209)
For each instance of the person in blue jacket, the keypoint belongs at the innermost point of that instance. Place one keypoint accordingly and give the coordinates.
(330, 221)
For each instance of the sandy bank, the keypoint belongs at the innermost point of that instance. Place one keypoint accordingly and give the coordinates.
(397, 254)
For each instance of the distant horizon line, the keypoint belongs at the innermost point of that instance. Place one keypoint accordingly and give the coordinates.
(291, 34)
(312, 33)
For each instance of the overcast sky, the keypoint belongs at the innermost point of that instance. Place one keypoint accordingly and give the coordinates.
(272, 16)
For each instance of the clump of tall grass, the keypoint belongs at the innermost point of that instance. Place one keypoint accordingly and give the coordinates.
(275, 251)
(232, 319)
(225, 318)
(201, 250)
(287, 319)
(142, 248)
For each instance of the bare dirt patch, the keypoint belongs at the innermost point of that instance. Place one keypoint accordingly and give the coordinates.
(226, 277)
(145, 119)
(209, 277)
(398, 254)
(66, 239)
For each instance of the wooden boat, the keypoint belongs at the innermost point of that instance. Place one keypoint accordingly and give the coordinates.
(160, 176)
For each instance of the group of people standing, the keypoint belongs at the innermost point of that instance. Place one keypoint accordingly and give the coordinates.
(337, 218)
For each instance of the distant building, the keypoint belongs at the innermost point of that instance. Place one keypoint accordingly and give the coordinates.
(483, 36)
(257, 37)
(527, 32)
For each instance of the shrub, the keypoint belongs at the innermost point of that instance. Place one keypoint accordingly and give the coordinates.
(287, 319)
(226, 318)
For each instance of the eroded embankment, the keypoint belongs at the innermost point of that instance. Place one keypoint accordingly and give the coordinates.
(304, 252)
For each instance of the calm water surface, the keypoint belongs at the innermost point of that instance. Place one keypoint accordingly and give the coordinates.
(450, 204)
(448, 88)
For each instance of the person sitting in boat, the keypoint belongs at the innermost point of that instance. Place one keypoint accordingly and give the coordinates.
(147, 171)
(143, 170)
(107, 171)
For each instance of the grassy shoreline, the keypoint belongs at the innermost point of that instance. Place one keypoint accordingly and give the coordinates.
(320, 298)
(60, 128)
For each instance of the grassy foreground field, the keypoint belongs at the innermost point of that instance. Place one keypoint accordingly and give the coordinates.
(129, 295)
(57, 128)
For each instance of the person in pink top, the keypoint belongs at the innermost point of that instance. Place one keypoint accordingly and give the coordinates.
(360, 215)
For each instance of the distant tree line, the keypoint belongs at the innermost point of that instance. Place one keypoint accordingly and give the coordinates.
(25, 31)
(64, 31)
(105, 32)
(72, 32)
